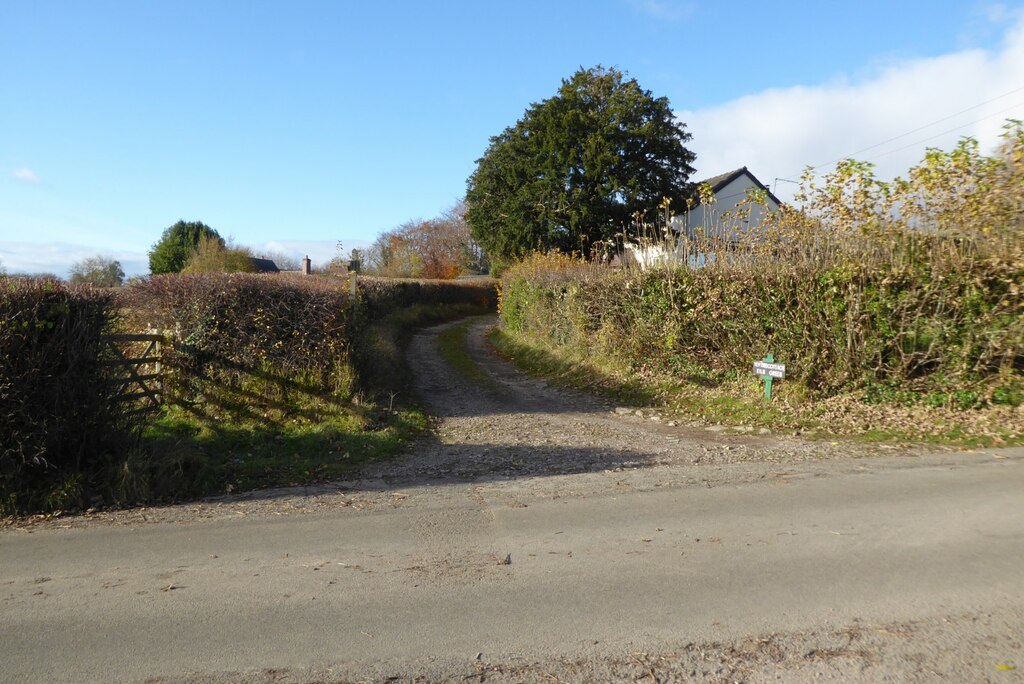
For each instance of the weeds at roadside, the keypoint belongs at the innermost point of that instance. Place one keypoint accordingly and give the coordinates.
(738, 402)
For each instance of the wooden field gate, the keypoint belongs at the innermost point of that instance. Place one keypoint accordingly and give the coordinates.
(138, 370)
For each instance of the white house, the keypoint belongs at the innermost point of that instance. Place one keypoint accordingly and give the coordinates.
(722, 218)
(727, 217)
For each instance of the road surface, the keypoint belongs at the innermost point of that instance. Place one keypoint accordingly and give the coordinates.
(544, 537)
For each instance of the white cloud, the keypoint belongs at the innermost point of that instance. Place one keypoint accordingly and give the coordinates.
(664, 10)
(58, 257)
(888, 119)
(27, 175)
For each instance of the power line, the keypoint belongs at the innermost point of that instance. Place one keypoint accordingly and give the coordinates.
(939, 135)
(929, 125)
(921, 128)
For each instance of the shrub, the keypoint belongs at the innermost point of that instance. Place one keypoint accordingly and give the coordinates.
(249, 345)
(245, 345)
(916, 285)
(62, 437)
(213, 255)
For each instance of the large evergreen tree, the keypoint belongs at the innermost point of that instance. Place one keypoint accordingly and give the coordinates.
(177, 244)
(578, 166)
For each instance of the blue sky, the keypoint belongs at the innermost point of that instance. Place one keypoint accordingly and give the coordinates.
(295, 125)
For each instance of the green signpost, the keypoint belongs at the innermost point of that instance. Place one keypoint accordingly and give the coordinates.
(768, 370)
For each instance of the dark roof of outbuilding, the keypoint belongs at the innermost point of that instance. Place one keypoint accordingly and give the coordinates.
(720, 181)
(265, 265)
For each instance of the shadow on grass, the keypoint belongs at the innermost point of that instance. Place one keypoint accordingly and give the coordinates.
(189, 457)
(226, 389)
(561, 371)
(192, 460)
(688, 392)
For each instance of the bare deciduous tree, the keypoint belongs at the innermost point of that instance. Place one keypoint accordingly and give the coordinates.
(98, 271)
(441, 247)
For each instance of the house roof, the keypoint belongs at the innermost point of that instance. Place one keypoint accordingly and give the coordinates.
(720, 181)
(265, 265)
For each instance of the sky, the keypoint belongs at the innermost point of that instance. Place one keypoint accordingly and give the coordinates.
(293, 126)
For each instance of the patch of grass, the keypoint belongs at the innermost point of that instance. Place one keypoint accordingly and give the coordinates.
(730, 410)
(194, 456)
(570, 371)
(955, 436)
(379, 351)
(451, 345)
(578, 372)
(694, 393)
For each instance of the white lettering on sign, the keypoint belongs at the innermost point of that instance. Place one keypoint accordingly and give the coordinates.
(772, 370)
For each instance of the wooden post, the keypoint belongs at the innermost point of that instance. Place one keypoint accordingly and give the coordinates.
(159, 367)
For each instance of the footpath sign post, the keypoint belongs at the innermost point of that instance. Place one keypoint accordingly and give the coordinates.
(768, 370)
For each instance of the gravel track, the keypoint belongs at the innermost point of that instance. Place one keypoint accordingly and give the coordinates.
(522, 429)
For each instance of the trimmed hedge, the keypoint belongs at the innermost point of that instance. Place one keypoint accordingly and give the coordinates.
(247, 345)
(913, 328)
(263, 349)
(61, 434)
(382, 296)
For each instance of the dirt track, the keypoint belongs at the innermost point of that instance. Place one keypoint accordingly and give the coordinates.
(521, 427)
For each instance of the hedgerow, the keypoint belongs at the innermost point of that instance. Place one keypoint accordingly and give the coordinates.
(246, 354)
(841, 329)
(381, 296)
(914, 288)
(62, 434)
(250, 345)
(246, 346)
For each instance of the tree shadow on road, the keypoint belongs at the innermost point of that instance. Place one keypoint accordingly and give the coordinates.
(432, 463)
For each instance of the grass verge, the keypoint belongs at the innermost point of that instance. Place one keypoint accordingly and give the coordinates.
(739, 401)
(452, 346)
(196, 456)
